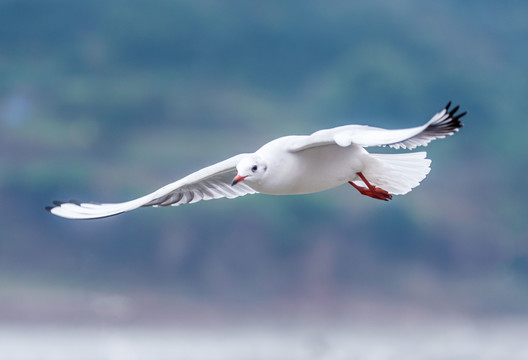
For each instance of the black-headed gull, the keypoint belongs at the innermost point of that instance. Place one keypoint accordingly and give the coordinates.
(299, 165)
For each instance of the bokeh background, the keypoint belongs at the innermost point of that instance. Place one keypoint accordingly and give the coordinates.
(109, 100)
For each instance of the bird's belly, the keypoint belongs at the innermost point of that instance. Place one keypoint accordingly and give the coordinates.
(313, 170)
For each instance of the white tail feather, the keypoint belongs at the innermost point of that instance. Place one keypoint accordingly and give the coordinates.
(396, 173)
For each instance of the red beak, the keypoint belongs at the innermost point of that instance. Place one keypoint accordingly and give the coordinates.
(238, 179)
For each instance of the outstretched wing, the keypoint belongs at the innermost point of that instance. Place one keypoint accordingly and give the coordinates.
(443, 124)
(212, 182)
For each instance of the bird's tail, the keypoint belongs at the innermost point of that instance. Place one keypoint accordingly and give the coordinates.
(397, 173)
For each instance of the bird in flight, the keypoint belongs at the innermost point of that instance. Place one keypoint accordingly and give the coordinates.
(299, 165)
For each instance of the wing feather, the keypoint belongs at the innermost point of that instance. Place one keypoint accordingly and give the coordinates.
(212, 182)
(442, 124)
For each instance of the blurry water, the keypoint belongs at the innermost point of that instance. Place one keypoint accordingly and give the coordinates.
(453, 340)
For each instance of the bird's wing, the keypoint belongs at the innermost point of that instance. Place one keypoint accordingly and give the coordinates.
(443, 124)
(212, 182)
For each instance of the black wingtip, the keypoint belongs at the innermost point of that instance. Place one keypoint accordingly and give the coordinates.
(447, 122)
(453, 120)
(460, 115)
(452, 112)
(453, 116)
(455, 109)
(56, 203)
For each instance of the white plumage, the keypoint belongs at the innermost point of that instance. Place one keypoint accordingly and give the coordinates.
(297, 165)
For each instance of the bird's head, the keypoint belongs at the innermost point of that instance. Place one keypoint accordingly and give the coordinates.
(251, 169)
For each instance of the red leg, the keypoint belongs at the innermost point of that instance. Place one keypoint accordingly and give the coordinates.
(372, 191)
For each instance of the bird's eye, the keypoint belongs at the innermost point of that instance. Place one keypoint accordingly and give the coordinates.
(254, 168)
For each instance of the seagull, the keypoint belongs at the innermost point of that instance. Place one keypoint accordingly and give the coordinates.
(299, 165)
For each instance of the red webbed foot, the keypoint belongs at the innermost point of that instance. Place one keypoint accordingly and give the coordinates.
(371, 190)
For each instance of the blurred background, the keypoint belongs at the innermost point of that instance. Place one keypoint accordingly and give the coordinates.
(110, 100)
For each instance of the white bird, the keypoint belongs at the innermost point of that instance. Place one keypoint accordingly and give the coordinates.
(299, 165)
